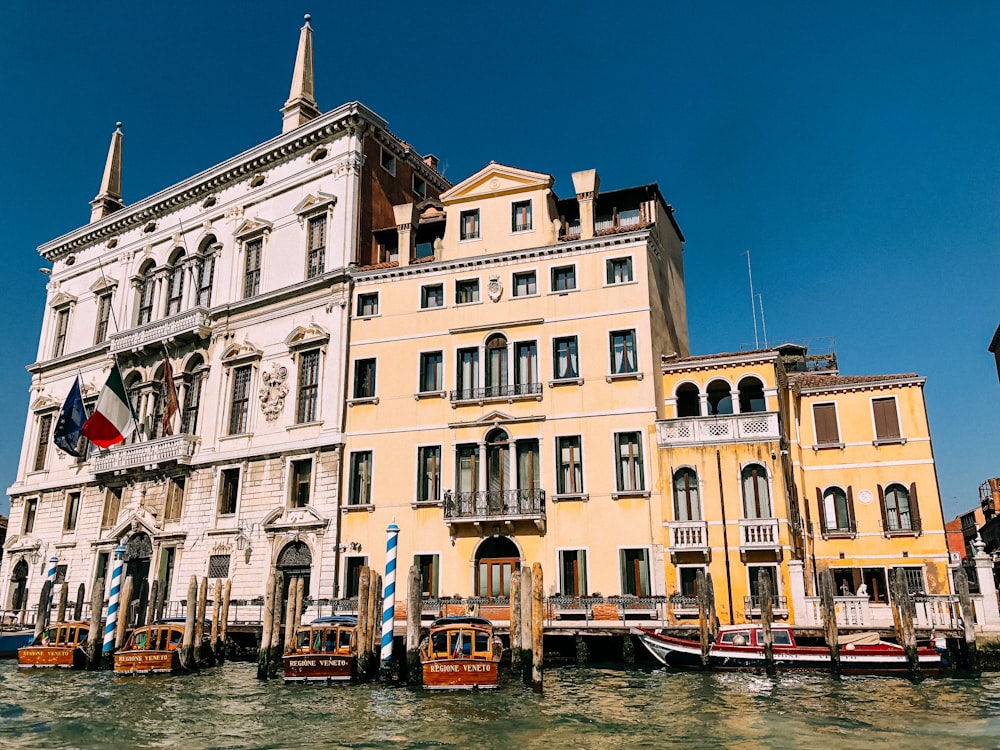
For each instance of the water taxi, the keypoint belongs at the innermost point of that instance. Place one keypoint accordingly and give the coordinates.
(323, 651)
(741, 648)
(61, 645)
(461, 653)
(156, 649)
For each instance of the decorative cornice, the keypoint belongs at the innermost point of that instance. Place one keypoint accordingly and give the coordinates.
(874, 385)
(715, 363)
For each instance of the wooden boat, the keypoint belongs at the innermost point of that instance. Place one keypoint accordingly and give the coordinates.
(61, 645)
(156, 649)
(323, 651)
(461, 653)
(740, 648)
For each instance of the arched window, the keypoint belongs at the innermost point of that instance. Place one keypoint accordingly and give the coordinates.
(144, 288)
(497, 469)
(688, 401)
(194, 376)
(751, 396)
(133, 386)
(496, 365)
(836, 510)
(206, 270)
(720, 398)
(687, 504)
(175, 284)
(756, 498)
(899, 508)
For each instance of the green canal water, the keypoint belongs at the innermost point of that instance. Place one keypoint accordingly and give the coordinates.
(582, 707)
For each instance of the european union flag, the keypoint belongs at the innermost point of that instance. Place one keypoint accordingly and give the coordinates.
(71, 418)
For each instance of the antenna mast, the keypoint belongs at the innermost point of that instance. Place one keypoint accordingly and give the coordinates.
(760, 304)
(753, 303)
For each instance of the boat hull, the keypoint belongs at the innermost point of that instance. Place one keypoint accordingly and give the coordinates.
(12, 640)
(147, 662)
(884, 658)
(460, 674)
(318, 667)
(42, 657)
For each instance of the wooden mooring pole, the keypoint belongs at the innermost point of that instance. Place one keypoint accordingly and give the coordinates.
(829, 607)
(713, 616)
(95, 637)
(43, 605)
(78, 604)
(375, 622)
(537, 627)
(265, 634)
(905, 633)
(526, 644)
(766, 617)
(274, 649)
(199, 624)
(515, 623)
(63, 602)
(154, 602)
(414, 604)
(290, 614)
(224, 620)
(124, 612)
(190, 614)
(361, 639)
(216, 606)
(968, 619)
(703, 615)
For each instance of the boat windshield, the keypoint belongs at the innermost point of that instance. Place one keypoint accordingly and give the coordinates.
(176, 636)
(140, 639)
(736, 637)
(345, 639)
(779, 637)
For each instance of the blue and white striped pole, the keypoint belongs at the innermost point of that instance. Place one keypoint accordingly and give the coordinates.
(114, 600)
(389, 597)
(51, 578)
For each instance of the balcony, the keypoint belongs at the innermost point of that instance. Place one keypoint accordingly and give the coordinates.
(188, 324)
(751, 606)
(759, 534)
(688, 536)
(515, 392)
(176, 448)
(491, 506)
(725, 428)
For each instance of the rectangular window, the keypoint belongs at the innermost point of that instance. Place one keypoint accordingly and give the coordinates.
(628, 466)
(101, 568)
(429, 566)
(431, 372)
(364, 378)
(30, 511)
(528, 467)
(431, 296)
(573, 572)
(563, 278)
(875, 580)
(301, 480)
(251, 268)
(569, 477)
(112, 506)
(145, 300)
(886, 419)
(619, 270)
(62, 328)
(72, 511)
(206, 274)
(825, 419)
(175, 289)
(467, 380)
(635, 572)
(429, 474)
(103, 318)
(565, 362)
(388, 162)
(361, 478)
(352, 574)
(218, 566)
(754, 571)
(239, 410)
(914, 579)
(61, 571)
(367, 305)
(308, 398)
(469, 226)
(526, 366)
(689, 580)
(175, 499)
(623, 354)
(229, 488)
(525, 284)
(467, 468)
(42, 447)
(466, 291)
(316, 246)
(192, 399)
(419, 186)
(520, 216)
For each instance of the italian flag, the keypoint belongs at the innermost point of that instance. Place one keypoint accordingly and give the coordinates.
(112, 420)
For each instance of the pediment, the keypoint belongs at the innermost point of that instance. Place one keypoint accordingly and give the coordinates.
(62, 300)
(240, 351)
(250, 227)
(22, 543)
(102, 284)
(301, 519)
(315, 202)
(312, 333)
(496, 418)
(496, 179)
(134, 521)
(44, 402)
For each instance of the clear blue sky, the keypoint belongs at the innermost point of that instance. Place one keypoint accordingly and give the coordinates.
(853, 147)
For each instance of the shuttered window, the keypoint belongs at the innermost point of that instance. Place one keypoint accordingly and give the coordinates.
(825, 418)
(886, 419)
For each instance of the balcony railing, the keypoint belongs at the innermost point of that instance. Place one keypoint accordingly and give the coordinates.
(759, 533)
(688, 536)
(489, 505)
(192, 322)
(176, 448)
(727, 428)
(516, 390)
(751, 605)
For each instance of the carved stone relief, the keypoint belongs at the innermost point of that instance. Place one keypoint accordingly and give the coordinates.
(273, 392)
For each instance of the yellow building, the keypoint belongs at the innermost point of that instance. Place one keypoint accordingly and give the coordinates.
(772, 461)
(503, 386)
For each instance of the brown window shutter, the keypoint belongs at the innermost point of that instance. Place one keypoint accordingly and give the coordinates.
(886, 419)
(852, 521)
(822, 511)
(825, 418)
(915, 509)
(885, 516)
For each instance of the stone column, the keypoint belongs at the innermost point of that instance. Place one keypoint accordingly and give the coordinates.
(800, 614)
(735, 395)
(703, 403)
(987, 585)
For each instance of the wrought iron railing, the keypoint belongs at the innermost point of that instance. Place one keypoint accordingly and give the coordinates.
(485, 504)
(496, 391)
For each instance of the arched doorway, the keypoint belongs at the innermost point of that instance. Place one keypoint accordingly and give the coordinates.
(294, 561)
(18, 585)
(138, 553)
(497, 559)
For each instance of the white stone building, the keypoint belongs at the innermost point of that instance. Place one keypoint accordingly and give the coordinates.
(239, 276)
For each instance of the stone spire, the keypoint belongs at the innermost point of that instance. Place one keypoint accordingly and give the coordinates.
(109, 199)
(301, 105)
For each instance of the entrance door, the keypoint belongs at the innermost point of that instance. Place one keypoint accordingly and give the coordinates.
(497, 560)
(18, 585)
(138, 553)
(295, 561)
